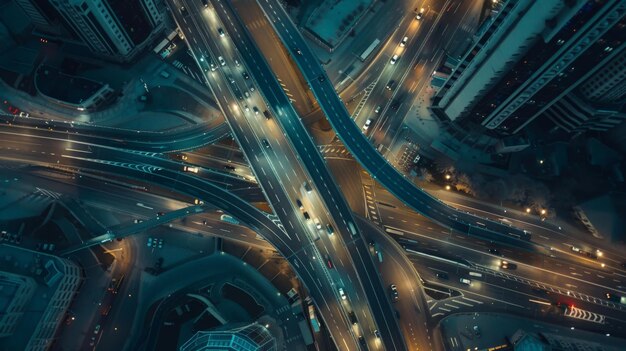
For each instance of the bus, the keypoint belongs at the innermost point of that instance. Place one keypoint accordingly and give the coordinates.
(369, 50)
(314, 323)
(228, 218)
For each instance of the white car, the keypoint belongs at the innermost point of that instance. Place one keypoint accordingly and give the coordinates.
(420, 14)
(221, 60)
(213, 67)
(377, 110)
(367, 124)
(394, 59)
(404, 41)
(318, 225)
(465, 281)
(342, 294)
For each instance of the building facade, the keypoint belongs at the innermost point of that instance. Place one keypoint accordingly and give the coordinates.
(115, 29)
(251, 337)
(37, 291)
(528, 57)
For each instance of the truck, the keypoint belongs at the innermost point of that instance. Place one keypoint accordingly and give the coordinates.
(229, 219)
(192, 169)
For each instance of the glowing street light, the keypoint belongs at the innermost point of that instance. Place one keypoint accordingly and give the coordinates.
(527, 209)
(447, 187)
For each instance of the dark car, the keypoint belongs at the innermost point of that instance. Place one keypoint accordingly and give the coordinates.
(443, 276)
(507, 265)
(612, 297)
(299, 203)
(230, 168)
(329, 262)
(306, 216)
(205, 3)
(391, 85)
(245, 75)
(267, 114)
(393, 291)
(322, 79)
(362, 341)
(495, 252)
(297, 51)
(266, 143)
(352, 316)
(160, 214)
(395, 105)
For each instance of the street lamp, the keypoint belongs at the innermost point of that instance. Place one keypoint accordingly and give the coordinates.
(543, 212)
(447, 176)
(527, 209)
(447, 187)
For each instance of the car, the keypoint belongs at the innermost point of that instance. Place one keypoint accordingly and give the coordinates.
(377, 109)
(160, 213)
(245, 107)
(183, 11)
(191, 169)
(404, 41)
(329, 229)
(443, 276)
(245, 75)
(420, 14)
(239, 97)
(342, 294)
(221, 32)
(149, 242)
(495, 252)
(267, 114)
(256, 110)
(391, 85)
(266, 143)
(247, 94)
(507, 265)
(367, 124)
(377, 334)
(612, 297)
(213, 67)
(230, 168)
(96, 330)
(329, 263)
(393, 290)
(394, 59)
(237, 63)
(221, 61)
(24, 114)
(252, 89)
(297, 51)
(352, 317)
(395, 105)
(465, 281)
(321, 78)
(306, 216)
(299, 203)
(362, 341)
(230, 79)
(205, 3)
(318, 225)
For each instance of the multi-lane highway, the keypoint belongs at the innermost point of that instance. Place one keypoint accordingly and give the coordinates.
(365, 153)
(268, 151)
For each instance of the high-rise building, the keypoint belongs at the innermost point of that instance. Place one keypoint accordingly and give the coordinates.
(37, 290)
(529, 56)
(251, 337)
(115, 29)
